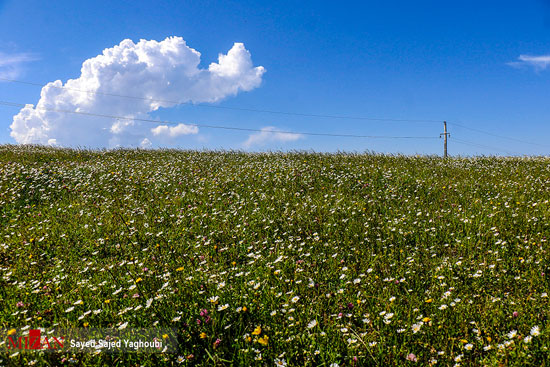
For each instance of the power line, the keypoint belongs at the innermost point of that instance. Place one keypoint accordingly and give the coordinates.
(465, 142)
(208, 126)
(226, 107)
(277, 112)
(497, 136)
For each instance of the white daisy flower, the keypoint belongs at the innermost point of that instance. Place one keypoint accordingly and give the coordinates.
(312, 324)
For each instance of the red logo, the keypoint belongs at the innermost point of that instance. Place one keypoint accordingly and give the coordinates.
(35, 341)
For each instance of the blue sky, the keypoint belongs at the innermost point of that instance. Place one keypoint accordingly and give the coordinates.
(431, 60)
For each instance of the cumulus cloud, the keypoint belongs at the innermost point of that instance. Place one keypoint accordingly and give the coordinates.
(11, 64)
(174, 131)
(158, 74)
(268, 135)
(146, 143)
(539, 63)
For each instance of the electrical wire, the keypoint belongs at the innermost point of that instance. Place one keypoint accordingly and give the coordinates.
(465, 142)
(226, 107)
(496, 135)
(271, 112)
(208, 126)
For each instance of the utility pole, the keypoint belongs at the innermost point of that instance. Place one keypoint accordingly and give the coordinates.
(445, 134)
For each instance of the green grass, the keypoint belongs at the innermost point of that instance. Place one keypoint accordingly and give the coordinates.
(348, 259)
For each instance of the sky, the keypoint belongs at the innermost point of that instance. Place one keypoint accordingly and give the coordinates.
(164, 74)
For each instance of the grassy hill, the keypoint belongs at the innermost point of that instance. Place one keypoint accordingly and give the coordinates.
(279, 258)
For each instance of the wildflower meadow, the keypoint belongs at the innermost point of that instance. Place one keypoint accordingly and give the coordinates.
(278, 259)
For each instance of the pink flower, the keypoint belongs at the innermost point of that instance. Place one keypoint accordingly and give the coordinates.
(515, 314)
(411, 357)
(217, 343)
(20, 304)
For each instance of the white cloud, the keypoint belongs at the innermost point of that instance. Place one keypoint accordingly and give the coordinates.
(10, 64)
(539, 63)
(146, 144)
(270, 134)
(174, 131)
(164, 71)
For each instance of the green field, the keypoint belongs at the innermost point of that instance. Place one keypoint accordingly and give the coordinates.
(279, 258)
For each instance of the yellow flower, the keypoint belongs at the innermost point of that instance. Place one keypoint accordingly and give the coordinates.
(426, 319)
(164, 336)
(86, 324)
(489, 339)
(464, 341)
(180, 268)
(11, 332)
(138, 280)
(203, 335)
(263, 340)
(107, 301)
(429, 300)
(257, 331)
(244, 308)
